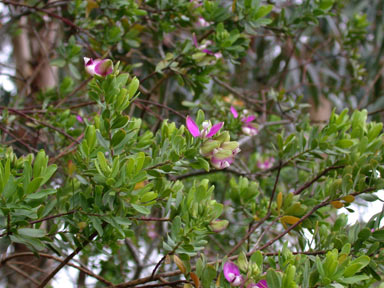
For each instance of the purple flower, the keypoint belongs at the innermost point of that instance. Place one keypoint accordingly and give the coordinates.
(266, 164)
(234, 112)
(197, 3)
(248, 127)
(100, 67)
(260, 284)
(203, 47)
(223, 156)
(80, 119)
(221, 163)
(201, 22)
(207, 130)
(232, 274)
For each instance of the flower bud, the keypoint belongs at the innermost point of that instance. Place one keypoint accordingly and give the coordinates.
(100, 67)
(208, 146)
(223, 137)
(221, 153)
(219, 225)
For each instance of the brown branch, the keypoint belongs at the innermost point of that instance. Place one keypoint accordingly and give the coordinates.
(274, 188)
(22, 114)
(48, 256)
(174, 283)
(53, 217)
(67, 259)
(21, 272)
(309, 183)
(63, 19)
(66, 150)
(253, 229)
(21, 141)
(163, 258)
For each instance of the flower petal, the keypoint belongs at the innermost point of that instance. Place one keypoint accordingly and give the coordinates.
(103, 67)
(215, 128)
(234, 112)
(192, 127)
(248, 119)
(207, 51)
(88, 61)
(230, 271)
(262, 284)
(194, 39)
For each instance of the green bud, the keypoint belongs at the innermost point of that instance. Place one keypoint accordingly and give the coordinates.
(208, 146)
(230, 145)
(221, 154)
(219, 225)
(223, 137)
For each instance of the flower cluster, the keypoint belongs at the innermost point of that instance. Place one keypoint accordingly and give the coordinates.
(219, 149)
(233, 276)
(248, 127)
(100, 67)
(266, 164)
(203, 47)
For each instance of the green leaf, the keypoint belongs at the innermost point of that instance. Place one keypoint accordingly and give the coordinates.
(48, 173)
(356, 265)
(133, 86)
(9, 188)
(379, 235)
(354, 279)
(58, 62)
(141, 209)
(273, 279)
(30, 232)
(96, 222)
(209, 274)
(120, 122)
(149, 196)
(41, 194)
(118, 137)
(74, 71)
(34, 185)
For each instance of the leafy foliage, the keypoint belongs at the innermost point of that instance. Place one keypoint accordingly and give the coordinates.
(114, 174)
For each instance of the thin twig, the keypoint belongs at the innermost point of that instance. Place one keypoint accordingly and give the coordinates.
(21, 272)
(44, 255)
(67, 259)
(309, 183)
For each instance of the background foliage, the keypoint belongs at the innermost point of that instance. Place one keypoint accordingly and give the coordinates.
(101, 173)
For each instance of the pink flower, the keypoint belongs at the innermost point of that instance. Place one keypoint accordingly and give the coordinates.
(260, 284)
(221, 163)
(100, 67)
(80, 119)
(232, 274)
(266, 164)
(201, 22)
(234, 112)
(248, 127)
(197, 3)
(208, 130)
(203, 47)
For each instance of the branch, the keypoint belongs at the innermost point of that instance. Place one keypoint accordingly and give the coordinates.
(309, 183)
(18, 112)
(67, 259)
(21, 141)
(44, 255)
(64, 20)
(21, 272)
(253, 229)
